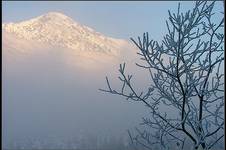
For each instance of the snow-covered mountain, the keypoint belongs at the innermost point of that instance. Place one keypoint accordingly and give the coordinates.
(71, 42)
(58, 29)
(52, 69)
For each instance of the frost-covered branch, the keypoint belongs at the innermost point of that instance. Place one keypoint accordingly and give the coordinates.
(187, 77)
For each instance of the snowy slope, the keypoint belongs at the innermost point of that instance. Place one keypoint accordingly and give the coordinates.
(71, 42)
(59, 30)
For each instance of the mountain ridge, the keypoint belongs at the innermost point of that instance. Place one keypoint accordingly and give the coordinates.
(57, 29)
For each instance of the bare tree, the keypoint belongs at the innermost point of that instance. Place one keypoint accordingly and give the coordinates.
(186, 77)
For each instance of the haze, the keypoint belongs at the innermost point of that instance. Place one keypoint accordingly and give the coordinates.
(50, 90)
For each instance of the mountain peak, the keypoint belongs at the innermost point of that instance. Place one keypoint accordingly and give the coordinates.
(56, 14)
(56, 17)
(57, 29)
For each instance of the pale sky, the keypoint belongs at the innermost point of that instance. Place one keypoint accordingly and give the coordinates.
(116, 19)
(113, 18)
